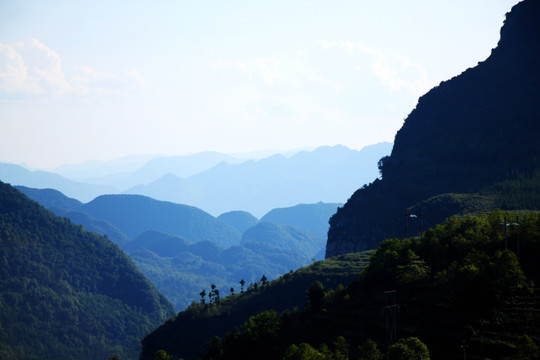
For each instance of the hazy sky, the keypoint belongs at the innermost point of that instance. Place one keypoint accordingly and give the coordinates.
(84, 80)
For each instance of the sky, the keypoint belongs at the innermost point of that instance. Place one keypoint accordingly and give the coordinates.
(98, 80)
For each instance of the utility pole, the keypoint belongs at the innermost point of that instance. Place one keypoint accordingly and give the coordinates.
(506, 224)
(421, 224)
(517, 224)
(390, 311)
(505, 234)
(464, 346)
(406, 223)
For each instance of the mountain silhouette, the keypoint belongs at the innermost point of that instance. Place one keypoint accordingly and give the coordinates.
(327, 174)
(136, 214)
(241, 220)
(18, 175)
(473, 138)
(311, 217)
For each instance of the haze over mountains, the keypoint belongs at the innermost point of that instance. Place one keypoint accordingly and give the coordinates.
(217, 183)
(215, 250)
(470, 145)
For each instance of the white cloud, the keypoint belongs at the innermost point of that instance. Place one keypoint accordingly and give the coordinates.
(89, 81)
(395, 71)
(269, 70)
(13, 72)
(225, 68)
(32, 68)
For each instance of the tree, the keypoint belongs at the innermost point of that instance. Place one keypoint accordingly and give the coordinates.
(242, 283)
(212, 294)
(232, 291)
(303, 352)
(525, 349)
(341, 348)
(380, 164)
(408, 349)
(415, 271)
(264, 280)
(315, 295)
(162, 355)
(369, 351)
(202, 294)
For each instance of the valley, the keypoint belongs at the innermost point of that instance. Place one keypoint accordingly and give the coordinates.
(424, 248)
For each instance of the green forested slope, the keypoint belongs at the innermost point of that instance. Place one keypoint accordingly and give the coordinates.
(464, 283)
(186, 334)
(65, 291)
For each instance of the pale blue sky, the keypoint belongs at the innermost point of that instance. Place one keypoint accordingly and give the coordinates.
(83, 80)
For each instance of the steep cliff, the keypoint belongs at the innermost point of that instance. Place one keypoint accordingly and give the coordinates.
(464, 139)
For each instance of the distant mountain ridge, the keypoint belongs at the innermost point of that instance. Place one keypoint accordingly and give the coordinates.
(241, 220)
(18, 175)
(284, 237)
(135, 214)
(311, 217)
(327, 174)
(214, 182)
(473, 139)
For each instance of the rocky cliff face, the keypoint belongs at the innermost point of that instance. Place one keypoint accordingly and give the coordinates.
(474, 130)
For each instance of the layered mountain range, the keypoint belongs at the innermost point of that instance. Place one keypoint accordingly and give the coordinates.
(183, 249)
(214, 182)
(471, 144)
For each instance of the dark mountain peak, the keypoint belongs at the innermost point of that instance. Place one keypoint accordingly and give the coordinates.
(520, 31)
(465, 135)
(476, 118)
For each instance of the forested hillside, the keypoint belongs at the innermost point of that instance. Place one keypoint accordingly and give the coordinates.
(467, 285)
(186, 335)
(181, 269)
(66, 292)
(180, 266)
(470, 144)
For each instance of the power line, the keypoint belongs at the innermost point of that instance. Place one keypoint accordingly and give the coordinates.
(389, 311)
